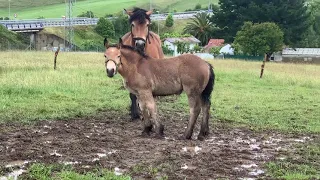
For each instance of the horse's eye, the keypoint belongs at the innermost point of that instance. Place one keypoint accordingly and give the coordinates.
(105, 56)
(132, 25)
(119, 57)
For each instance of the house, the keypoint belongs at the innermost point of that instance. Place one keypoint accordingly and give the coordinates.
(213, 43)
(305, 55)
(227, 49)
(171, 43)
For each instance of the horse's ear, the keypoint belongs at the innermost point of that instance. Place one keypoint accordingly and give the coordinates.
(128, 12)
(106, 43)
(120, 43)
(149, 12)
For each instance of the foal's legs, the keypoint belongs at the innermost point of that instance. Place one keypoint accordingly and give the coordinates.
(204, 129)
(150, 115)
(195, 108)
(134, 107)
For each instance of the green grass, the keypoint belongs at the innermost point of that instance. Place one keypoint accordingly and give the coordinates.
(302, 163)
(27, 9)
(285, 99)
(61, 172)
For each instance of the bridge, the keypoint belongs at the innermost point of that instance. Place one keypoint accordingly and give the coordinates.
(34, 25)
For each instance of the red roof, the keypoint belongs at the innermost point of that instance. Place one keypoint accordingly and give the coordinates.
(214, 43)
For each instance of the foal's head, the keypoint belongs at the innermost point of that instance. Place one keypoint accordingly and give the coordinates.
(112, 58)
(140, 24)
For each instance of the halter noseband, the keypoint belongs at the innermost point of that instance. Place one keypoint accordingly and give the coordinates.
(117, 64)
(148, 37)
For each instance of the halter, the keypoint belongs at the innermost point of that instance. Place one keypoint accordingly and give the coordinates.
(148, 37)
(117, 64)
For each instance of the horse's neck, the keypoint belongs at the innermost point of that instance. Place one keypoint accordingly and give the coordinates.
(128, 69)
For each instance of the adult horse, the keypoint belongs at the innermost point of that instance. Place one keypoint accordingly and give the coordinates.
(147, 77)
(141, 37)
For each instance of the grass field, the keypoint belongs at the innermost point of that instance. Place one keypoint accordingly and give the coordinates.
(56, 9)
(285, 100)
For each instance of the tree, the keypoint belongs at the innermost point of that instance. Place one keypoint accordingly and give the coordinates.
(169, 21)
(291, 15)
(121, 24)
(215, 50)
(200, 27)
(88, 14)
(105, 28)
(258, 39)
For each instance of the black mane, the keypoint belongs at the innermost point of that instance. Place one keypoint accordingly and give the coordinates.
(113, 45)
(140, 52)
(140, 15)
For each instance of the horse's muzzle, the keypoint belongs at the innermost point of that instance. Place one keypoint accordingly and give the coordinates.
(140, 43)
(110, 72)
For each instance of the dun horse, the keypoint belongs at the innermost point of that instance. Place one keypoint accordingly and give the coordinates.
(141, 37)
(147, 77)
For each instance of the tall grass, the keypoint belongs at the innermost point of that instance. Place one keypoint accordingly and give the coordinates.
(286, 98)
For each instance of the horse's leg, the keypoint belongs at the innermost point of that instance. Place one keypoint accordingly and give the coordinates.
(134, 107)
(150, 114)
(204, 129)
(147, 125)
(195, 108)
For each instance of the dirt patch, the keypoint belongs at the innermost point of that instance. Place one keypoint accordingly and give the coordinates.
(111, 141)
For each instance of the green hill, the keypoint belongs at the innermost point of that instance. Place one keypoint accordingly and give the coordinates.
(12, 40)
(30, 9)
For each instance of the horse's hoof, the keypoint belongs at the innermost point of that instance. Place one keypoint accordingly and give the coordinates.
(159, 136)
(183, 138)
(145, 134)
(135, 118)
(201, 138)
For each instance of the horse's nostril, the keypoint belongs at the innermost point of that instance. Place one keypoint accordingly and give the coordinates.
(110, 72)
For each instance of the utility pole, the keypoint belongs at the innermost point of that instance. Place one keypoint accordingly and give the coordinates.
(150, 5)
(158, 22)
(69, 26)
(9, 9)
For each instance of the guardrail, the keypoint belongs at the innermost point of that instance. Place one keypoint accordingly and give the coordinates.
(38, 24)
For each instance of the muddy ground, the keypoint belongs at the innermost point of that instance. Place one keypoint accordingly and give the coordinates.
(112, 141)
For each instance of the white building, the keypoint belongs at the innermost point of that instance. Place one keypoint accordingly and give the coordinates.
(171, 43)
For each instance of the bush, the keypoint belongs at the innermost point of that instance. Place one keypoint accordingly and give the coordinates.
(166, 50)
(169, 21)
(88, 14)
(105, 28)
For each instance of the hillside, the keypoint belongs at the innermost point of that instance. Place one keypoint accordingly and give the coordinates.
(11, 40)
(30, 9)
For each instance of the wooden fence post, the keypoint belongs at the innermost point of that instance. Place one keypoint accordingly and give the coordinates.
(263, 64)
(55, 58)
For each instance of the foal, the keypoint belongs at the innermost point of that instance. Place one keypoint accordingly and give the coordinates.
(146, 77)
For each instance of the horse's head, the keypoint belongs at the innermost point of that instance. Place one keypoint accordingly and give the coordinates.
(112, 58)
(140, 24)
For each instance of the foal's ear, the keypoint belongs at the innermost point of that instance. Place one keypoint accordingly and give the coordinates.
(106, 43)
(128, 12)
(149, 12)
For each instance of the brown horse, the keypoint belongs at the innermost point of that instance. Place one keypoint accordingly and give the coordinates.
(147, 77)
(141, 37)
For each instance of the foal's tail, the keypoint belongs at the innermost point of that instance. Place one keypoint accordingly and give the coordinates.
(206, 93)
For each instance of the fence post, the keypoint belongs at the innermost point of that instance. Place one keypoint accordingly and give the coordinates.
(55, 58)
(263, 64)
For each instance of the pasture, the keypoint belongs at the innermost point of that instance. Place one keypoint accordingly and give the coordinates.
(74, 122)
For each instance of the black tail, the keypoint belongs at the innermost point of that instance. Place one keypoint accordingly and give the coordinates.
(206, 93)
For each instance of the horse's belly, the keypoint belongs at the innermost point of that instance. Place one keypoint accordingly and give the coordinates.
(163, 89)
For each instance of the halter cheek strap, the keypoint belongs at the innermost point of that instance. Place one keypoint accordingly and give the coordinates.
(117, 64)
